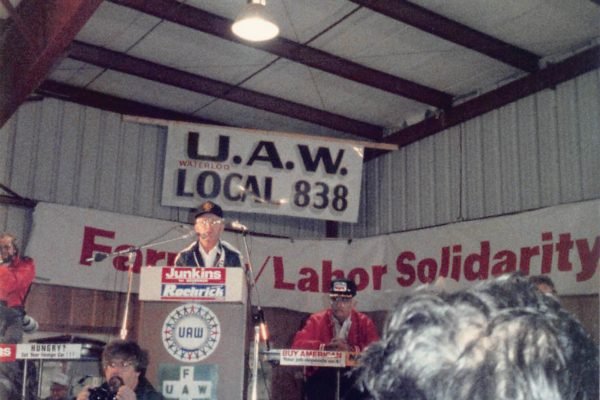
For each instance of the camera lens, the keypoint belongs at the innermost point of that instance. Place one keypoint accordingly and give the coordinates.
(100, 393)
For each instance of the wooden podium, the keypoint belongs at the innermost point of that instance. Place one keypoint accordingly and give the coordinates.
(193, 321)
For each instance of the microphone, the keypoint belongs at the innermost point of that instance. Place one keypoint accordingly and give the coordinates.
(183, 227)
(79, 382)
(114, 383)
(236, 226)
(187, 235)
(96, 257)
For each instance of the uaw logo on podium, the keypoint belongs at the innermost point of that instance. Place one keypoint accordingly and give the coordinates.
(194, 323)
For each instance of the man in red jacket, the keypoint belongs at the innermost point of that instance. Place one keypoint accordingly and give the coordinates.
(339, 328)
(16, 275)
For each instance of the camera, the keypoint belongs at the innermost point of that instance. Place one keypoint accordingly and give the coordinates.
(108, 391)
(101, 393)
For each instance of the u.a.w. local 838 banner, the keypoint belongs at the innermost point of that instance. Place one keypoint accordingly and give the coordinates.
(262, 172)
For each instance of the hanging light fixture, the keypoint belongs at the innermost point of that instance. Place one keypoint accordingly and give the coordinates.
(254, 23)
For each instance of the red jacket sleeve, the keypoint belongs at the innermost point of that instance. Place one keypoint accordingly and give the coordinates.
(15, 281)
(318, 331)
(315, 333)
(367, 332)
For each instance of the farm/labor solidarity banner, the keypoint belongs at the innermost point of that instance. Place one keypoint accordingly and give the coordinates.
(562, 242)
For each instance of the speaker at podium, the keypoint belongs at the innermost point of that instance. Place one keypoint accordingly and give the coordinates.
(194, 323)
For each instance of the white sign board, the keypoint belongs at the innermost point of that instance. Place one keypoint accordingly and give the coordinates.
(262, 172)
(48, 351)
(192, 284)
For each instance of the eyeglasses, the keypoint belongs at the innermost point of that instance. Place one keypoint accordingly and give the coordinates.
(119, 364)
(210, 222)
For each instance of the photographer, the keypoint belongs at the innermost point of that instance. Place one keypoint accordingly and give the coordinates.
(124, 364)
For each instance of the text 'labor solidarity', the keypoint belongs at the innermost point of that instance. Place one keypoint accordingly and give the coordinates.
(554, 252)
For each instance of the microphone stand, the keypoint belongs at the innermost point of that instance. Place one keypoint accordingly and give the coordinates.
(260, 327)
(131, 251)
(259, 316)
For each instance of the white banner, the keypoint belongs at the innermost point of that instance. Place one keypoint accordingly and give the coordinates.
(262, 172)
(562, 241)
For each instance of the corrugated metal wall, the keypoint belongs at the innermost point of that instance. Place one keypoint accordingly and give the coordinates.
(537, 152)
(541, 151)
(64, 153)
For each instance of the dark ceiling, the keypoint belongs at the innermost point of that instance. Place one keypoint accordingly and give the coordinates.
(384, 71)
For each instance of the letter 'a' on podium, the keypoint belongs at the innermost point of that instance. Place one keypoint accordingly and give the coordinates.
(194, 323)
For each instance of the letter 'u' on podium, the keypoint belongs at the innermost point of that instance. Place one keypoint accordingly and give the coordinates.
(193, 321)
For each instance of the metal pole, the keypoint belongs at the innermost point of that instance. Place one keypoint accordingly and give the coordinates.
(127, 298)
(24, 388)
(254, 391)
(260, 316)
(337, 384)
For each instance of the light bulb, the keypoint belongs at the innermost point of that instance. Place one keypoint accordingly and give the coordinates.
(254, 24)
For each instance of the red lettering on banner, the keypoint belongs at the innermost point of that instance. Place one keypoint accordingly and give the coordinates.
(121, 263)
(508, 262)
(311, 282)
(427, 270)
(477, 266)
(360, 276)
(309, 278)
(406, 270)
(445, 267)
(278, 273)
(154, 256)
(482, 259)
(563, 247)
(589, 258)
(378, 272)
(527, 254)
(547, 253)
(456, 260)
(90, 245)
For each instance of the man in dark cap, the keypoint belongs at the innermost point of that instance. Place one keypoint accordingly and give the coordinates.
(209, 250)
(339, 328)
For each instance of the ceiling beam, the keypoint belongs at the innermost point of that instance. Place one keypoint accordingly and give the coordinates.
(435, 24)
(121, 62)
(86, 97)
(123, 106)
(546, 78)
(32, 42)
(212, 24)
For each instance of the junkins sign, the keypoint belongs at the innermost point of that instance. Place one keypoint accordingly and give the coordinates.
(262, 172)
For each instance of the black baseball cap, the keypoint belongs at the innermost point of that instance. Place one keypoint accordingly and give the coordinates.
(342, 287)
(208, 207)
